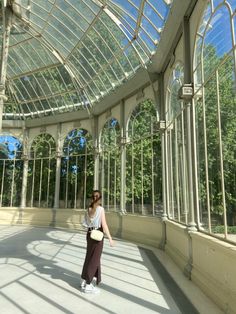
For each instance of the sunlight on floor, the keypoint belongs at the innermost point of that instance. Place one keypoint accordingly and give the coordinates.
(40, 273)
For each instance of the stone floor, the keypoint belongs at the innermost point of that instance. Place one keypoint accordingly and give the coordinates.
(40, 273)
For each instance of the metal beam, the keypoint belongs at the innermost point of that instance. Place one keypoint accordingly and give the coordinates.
(171, 34)
(6, 27)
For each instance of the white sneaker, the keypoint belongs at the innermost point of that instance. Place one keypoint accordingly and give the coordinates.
(83, 284)
(91, 289)
(94, 281)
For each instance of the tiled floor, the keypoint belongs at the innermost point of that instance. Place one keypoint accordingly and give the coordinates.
(40, 273)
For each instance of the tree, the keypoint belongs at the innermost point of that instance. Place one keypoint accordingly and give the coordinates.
(77, 168)
(11, 167)
(110, 166)
(41, 171)
(143, 166)
(222, 79)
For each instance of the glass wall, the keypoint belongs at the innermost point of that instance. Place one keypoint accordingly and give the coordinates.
(177, 194)
(110, 163)
(215, 86)
(41, 172)
(11, 167)
(143, 162)
(214, 108)
(77, 170)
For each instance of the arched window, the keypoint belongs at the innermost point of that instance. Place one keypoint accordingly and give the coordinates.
(11, 167)
(215, 85)
(110, 165)
(143, 166)
(41, 172)
(174, 104)
(176, 170)
(77, 169)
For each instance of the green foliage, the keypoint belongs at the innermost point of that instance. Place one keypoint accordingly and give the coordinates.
(3, 151)
(110, 137)
(143, 157)
(111, 160)
(77, 168)
(43, 146)
(41, 171)
(98, 59)
(11, 181)
(223, 80)
(11, 167)
(78, 141)
(221, 229)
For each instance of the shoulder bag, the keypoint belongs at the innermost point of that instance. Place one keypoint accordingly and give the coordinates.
(96, 235)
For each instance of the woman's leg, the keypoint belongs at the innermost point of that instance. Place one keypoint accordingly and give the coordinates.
(92, 263)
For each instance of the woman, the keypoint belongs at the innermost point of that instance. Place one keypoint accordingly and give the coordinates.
(94, 219)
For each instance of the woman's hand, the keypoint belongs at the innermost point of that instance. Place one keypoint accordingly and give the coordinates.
(112, 243)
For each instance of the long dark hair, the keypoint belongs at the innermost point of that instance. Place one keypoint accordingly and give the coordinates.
(95, 200)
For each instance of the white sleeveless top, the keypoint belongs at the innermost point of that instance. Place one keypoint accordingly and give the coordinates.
(94, 222)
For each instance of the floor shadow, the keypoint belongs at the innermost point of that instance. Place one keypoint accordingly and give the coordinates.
(16, 247)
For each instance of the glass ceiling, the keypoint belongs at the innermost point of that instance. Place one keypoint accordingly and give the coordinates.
(68, 54)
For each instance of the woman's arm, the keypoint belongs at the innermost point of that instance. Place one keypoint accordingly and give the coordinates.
(85, 221)
(106, 229)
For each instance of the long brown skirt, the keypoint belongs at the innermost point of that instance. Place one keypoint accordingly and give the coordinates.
(92, 263)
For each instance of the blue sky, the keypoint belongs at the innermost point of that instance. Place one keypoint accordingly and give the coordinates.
(219, 31)
(11, 143)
